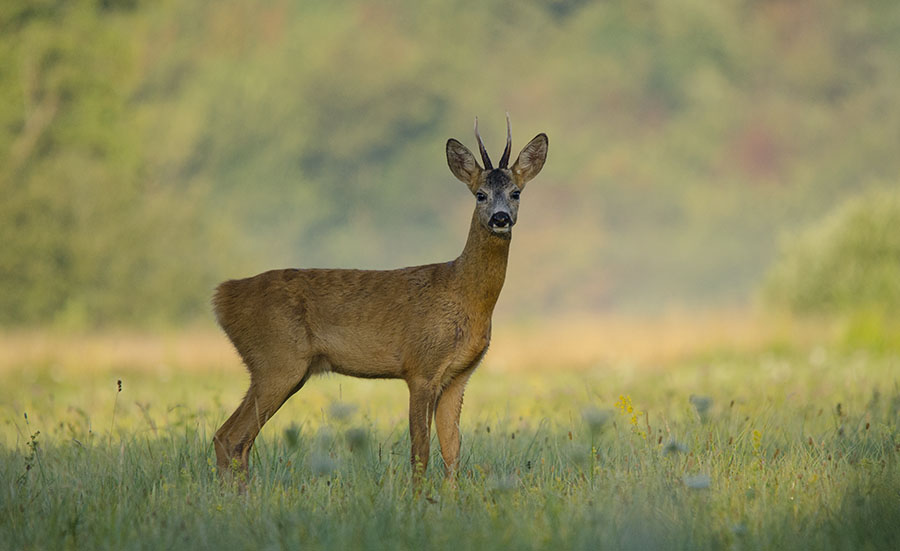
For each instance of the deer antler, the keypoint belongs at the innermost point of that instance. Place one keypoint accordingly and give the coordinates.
(484, 154)
(504, 160)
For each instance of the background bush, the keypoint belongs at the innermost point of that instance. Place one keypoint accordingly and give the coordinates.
(847, 263)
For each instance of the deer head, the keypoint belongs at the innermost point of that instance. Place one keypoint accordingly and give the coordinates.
(497, 190)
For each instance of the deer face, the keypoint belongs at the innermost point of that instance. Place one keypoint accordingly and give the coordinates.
(497, 200)
(497, 190)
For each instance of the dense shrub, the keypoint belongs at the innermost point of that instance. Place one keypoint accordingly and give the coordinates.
(848, 263)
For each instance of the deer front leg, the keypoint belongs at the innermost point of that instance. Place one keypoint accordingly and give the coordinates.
(421, 411)
(446, 417)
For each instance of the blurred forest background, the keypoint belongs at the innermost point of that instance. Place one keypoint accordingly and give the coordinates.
(149, 149)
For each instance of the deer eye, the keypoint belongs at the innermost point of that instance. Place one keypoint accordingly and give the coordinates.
(481, 196)
(515, 195)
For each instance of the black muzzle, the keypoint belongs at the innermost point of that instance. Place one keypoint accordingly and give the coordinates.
(500, 220)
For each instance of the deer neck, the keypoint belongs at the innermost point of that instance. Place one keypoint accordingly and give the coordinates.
(481, 268)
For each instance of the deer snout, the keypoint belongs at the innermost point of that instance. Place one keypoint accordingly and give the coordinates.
(500, 220)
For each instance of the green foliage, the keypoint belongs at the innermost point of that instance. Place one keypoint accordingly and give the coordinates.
(848, 263)
(149, 149)
(756, 452)
(88, 238)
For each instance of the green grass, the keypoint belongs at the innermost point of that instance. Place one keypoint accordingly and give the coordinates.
(774, 451)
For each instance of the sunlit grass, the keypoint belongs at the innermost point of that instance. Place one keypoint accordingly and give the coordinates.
(756, 447)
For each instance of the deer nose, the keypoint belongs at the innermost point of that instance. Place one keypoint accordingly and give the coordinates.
(500, 220)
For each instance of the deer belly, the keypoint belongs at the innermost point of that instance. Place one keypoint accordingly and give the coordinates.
(361, 354)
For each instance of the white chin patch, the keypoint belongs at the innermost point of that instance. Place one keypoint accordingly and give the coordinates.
(505, 229)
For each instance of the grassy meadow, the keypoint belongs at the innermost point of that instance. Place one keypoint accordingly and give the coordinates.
(690, 433)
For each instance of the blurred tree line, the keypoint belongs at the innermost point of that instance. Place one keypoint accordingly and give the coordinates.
(151, 149)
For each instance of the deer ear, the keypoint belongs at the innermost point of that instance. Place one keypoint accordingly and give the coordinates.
(462, 163)
(531, 160)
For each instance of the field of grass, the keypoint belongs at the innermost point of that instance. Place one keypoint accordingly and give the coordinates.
(695, 442)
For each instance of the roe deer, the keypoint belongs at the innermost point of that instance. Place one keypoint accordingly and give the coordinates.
(428, 325)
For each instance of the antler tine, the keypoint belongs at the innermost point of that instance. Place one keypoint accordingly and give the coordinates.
(484, 154)
(504, 160)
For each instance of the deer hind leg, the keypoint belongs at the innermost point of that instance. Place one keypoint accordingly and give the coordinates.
(268, 391)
